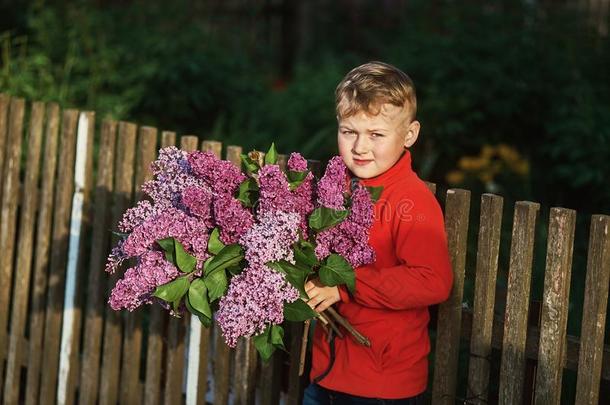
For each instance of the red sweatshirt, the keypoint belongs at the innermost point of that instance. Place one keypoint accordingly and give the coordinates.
(412, 270)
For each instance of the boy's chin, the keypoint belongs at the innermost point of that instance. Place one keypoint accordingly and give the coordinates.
(362, 172)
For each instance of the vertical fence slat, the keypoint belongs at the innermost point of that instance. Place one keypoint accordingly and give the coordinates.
(132, 332)
(96, 284)
(59, 257)
(41, 255)
(490, 225)
(80, 220)
(552, 346)
(157, 329)
(244, 385)
(24, 255)
(512, 367)
(594, 312)
(4, 107)
(457, 209)
(123, 191)
(177, 328)
(8, 215)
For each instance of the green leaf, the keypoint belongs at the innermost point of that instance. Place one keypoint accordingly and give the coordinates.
(298, 311)
(207, 322)
(375, 192)
(186, 262)
(217, 284)
(215, 245)
(167, 244)
(271, 155)
(235, 270)
(336, 270)
(248, 164)
(230, 255)
(247, 193)
(122, 235)
(295, 178)
(277, 336)
(172, 291)
(304, 253)
(294, 275)
(263, 344)
(198, 297)
(323, 218)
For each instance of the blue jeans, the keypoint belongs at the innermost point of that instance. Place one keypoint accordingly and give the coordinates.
(318, 395)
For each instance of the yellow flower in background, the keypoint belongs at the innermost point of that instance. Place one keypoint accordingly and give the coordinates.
(455, 177)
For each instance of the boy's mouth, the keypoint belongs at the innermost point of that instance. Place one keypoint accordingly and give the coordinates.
(361, 162)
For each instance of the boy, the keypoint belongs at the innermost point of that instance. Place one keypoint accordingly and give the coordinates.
(376, 108)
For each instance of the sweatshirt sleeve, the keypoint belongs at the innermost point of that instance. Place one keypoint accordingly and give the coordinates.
(423, 275)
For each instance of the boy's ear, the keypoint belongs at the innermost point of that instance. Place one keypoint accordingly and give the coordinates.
(412, 133)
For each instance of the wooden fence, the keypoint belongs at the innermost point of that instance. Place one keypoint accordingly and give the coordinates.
(65, 184)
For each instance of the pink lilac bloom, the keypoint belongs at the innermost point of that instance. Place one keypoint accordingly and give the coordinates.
(172, 175)
(134, 216)
(246, 311)
(221, 175)
(139, 282)
(297, 162)
(190, 231)
(271, 238)
(116, 257)
(303, 195)
(232, 218)
(332, 185)
(274, 192)
(350, 237)
(198, 201)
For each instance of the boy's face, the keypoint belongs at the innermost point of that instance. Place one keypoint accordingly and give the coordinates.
(371, 144)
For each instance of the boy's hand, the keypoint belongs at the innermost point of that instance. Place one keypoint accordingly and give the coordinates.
(321, 296)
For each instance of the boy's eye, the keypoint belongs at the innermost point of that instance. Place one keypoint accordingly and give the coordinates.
(348, 132)
(376, 135)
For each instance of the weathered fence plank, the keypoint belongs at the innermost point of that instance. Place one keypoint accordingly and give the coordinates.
(4, 107)
(552, 347)
(96, 283)
(490, 225)
(59, 257)
(41, 255)
(457, 211)
(23, 268)
(157, 329)
(8, 215)
(123, 192)
(594, 312)
(512, 367)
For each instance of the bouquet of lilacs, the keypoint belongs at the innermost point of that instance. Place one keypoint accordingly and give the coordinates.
(238, 246)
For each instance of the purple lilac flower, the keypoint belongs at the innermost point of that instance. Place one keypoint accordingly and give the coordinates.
(274, 191)
(332, 185)
(350, 237)
(172, 175)
(198, 201)
(116, 257)
(297, 162)
(221, 175)
(271, 238)
(190, 231)
(233, 219)
(139, 282)
(255, 299)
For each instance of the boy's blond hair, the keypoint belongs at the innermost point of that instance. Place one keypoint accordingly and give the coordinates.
(369, 86)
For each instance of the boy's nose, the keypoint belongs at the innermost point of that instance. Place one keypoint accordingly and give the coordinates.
(360, 146)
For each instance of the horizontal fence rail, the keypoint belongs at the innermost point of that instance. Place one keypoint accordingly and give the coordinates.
(65, 181)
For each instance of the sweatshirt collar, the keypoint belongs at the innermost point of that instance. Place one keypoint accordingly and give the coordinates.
(401, 170)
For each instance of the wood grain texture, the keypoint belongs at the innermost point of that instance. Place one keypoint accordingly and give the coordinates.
(457, 211)
(490, 225)
(512, 367)
(592, 356)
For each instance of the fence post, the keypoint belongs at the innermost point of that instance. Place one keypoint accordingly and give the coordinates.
(551, 351)
(594, 312)
(490, 225)
(457, 210)
(96, 283)
(517, 302)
